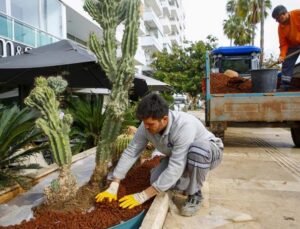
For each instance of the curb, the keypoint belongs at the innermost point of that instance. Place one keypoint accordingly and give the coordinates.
(157, 212)
(11, 192)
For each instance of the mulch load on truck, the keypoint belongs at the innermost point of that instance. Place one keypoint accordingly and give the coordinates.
(223, 84)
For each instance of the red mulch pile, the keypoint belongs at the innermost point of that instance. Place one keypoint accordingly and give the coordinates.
(105, 214)
(222, 84)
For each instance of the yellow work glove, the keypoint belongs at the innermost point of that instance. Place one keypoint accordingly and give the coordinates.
(133, 200)
(110, 193)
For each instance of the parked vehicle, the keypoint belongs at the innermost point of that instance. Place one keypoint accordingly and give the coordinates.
(241, 59)
(180, 102)
(275, 109)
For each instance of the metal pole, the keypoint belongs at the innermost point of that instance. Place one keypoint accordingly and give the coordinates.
(262, 22)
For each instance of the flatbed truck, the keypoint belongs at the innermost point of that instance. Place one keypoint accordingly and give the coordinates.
(275, 109)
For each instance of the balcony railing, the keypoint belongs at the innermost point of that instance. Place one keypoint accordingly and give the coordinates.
(152, 20)
(166, 8)
(155, 5)
(21, 32)
(151, 43)
(166, 25)
(175, 26)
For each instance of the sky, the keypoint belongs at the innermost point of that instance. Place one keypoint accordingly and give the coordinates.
(205, 17)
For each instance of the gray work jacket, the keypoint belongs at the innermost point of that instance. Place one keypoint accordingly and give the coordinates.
(182, 130)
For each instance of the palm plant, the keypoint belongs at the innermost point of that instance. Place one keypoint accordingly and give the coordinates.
(88, 114)
(120, 71)
(253, 12)
(237, 30)
(17, 131)
(229, 28)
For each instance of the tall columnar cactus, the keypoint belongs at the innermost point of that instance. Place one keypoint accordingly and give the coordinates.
(109, 14)
(56, 126)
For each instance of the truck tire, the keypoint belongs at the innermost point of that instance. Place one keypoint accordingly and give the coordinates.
(219, 134)
(218, 129)
(296, 136)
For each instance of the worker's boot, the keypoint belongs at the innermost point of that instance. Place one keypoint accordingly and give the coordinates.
(285, 84)
(192, 204)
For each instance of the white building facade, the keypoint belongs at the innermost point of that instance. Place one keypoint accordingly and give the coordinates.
(34, 23)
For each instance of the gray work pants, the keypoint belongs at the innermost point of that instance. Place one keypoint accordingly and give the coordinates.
(289, 63)
(202, 156)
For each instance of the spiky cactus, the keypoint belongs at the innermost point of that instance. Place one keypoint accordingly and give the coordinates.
(109, 14)
(56, 126)
(121, 143)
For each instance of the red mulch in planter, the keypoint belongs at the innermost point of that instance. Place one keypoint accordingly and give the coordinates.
(105, 214)
(222, 84)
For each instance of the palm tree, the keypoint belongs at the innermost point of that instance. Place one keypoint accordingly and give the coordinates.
(253, 11)
(229, 28)
(237, 30)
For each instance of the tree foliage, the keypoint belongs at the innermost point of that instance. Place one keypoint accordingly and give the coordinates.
(183, 68)
(237, 30)
(88, 113)
(17, 132)
(243, 17)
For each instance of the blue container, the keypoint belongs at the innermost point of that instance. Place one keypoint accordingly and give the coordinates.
(133, 223)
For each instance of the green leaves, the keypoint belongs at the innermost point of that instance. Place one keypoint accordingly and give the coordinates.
(17, 130)
(88, 113)
(184, 67)
(238, 30)
(243, 17)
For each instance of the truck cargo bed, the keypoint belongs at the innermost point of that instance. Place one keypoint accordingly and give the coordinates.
(255, 107)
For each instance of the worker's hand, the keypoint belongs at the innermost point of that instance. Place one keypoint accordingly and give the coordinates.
(133, 200)
(110, 193)
(280, 59)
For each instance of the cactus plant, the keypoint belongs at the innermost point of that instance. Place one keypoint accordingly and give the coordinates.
(119, 145)
(120, 71)
(56, 126)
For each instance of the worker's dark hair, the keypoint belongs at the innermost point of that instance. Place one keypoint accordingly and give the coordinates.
(278, 10)
(152, 106)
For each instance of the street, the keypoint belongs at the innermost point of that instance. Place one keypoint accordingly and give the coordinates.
(257, 184)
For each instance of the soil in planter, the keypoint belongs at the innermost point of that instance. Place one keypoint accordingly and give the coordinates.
(103, 215)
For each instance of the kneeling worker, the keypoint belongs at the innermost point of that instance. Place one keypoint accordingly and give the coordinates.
(190, 150)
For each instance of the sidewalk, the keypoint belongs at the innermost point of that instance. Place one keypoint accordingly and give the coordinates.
(257, 184)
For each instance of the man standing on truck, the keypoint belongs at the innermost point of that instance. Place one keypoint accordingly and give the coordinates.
(289, 40)
(190, 152)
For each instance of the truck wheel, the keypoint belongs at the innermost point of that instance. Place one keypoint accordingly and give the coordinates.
(219, 134)
(218, 129)
(296, 136)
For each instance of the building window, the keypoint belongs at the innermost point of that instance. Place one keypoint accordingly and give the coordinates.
(24, 34)
(52, 17)
(28, 13)
(3, 6)
(5, 27)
